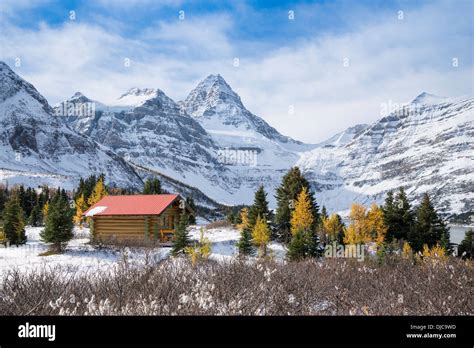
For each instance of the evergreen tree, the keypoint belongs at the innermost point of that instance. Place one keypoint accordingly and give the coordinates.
(97, 193)
(398, 216)
(298, 246)
(59, 225)
(35, 216)
(190, 203)
(152, 187)
(430, 229)
(3, 197)
(244, 244)
(181, 238)
(13, 221)
(466, 248)
(259, 207)
(324, 213)
(286, 196)
(261, 235)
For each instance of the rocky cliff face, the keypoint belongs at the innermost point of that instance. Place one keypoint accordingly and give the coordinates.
(36, 147)
(426, 146)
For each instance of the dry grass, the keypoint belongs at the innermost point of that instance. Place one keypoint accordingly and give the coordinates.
(175, 287)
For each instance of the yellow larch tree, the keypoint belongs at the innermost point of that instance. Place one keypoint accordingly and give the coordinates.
(244, 218)
(261, 235)
(302, 216)
(332, 226)
(45, 210)
(357, 232)
(376, 224)
(98, 193)
(81, 207)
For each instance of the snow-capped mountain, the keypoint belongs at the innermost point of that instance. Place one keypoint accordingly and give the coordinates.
(210, 144)
(425, 146)
(220, 111)
(36, 147)
(227, 151)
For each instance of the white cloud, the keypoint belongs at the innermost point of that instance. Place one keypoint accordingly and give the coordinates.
(388, 60)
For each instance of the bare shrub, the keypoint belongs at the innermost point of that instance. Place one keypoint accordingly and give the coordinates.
(218, 224)
(243, 287)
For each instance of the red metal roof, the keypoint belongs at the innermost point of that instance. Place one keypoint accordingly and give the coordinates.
(131, 205)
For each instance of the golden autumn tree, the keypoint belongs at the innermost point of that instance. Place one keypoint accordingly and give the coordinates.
(261, 235)
(244, 218)
(357, 232)
(45, 210)
(332, 226)
(407, 251)
(302, 216)
(302, 243)
(375, 224)
(98, 193)
(81, 207)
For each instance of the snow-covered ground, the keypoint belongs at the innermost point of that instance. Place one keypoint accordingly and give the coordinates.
(81, 257)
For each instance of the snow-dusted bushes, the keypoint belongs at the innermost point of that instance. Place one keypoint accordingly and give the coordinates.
(176, 287)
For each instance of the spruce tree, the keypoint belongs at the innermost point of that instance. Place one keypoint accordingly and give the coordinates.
(298, 246)
(3, 197)
(286, 195)
(398, 216)
(152, 187)
(13, 221)
(59, 225)
(259, 207)
(466, 247)
(245, 244)
(430, 229)
(324, 213)
(190, 203)
(35, 216)
(181, 238)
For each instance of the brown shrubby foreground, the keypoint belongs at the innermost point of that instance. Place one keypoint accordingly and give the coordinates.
(176, 287)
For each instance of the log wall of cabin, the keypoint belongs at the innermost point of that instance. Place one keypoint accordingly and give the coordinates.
(135, 227)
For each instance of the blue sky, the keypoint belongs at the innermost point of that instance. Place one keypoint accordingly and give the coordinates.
(284, 64)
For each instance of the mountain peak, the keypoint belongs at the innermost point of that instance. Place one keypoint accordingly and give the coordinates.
(137, 96)
(135, 91)
(209, 93)
(427, 98)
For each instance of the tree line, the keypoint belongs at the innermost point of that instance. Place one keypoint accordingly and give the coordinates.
(306, 230)
(58, 210)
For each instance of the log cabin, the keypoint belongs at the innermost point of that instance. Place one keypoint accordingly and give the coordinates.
(136, 218)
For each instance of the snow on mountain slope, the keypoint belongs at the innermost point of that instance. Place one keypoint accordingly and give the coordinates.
(38, 148)
(228, 161)
(220, 111)
(427, 146)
